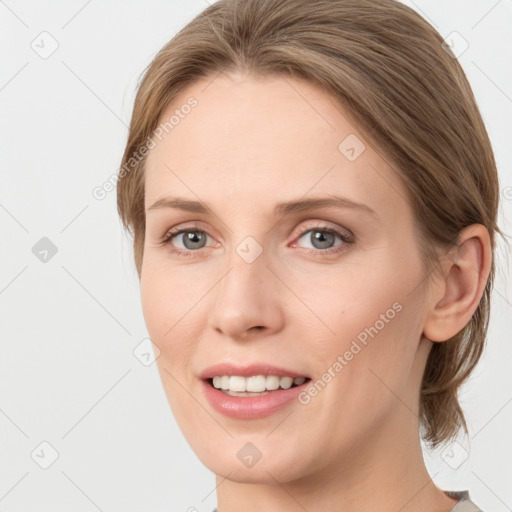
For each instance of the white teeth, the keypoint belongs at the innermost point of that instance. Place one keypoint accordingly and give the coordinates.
(255, 384)
(272, 382)
(216, 381)
(286, 382)
(237, 383)
(224, 382)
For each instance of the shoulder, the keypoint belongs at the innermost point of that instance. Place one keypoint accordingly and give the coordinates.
(465, 504)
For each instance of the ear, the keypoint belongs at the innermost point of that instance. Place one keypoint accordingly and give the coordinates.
(457, 295)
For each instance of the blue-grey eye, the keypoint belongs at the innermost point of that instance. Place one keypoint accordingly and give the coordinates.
(192, 239)
(321, 238)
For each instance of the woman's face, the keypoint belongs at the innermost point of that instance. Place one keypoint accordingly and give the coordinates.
(253, 282)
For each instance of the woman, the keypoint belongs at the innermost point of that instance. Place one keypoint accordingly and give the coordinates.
(313, 196)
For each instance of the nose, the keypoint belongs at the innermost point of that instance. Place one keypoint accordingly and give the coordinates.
(248, 300)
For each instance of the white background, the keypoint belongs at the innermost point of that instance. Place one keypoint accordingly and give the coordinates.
(68, 375)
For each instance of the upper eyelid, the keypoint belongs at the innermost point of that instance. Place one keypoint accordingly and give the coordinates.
(320, 224)
(174, 231)
(196, 225)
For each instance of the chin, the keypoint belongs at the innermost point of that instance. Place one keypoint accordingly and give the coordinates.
(268, 470)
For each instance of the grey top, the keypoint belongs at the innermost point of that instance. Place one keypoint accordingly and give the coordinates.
(464, 505)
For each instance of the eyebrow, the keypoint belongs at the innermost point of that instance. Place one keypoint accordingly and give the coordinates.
(284, 208)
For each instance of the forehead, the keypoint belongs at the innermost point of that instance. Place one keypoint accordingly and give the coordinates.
(252, 140)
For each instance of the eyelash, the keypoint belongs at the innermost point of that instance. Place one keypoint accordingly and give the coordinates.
(347, 241)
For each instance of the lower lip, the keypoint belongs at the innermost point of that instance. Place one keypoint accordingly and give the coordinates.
(250, 407)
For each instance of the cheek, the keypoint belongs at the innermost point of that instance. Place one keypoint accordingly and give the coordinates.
(368, 316)
(167, 294)
(161, 313)
(154, 304)
(377, 321)
(348, 299)
(174, 315)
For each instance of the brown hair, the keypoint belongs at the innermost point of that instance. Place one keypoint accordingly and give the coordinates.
(405, 91)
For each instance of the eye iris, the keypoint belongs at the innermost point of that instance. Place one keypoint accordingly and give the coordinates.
(193, 237)
(324, 238)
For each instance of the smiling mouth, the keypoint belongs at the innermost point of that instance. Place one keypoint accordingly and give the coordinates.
(258, 385)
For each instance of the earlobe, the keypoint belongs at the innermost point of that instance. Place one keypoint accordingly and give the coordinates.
(466, 271)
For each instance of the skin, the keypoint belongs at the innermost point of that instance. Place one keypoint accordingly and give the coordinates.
(250, 143)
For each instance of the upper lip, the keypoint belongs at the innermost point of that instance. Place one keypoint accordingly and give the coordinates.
(247, 371)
